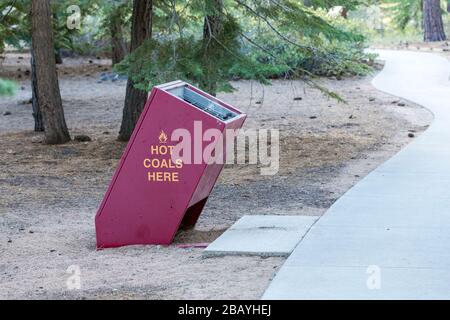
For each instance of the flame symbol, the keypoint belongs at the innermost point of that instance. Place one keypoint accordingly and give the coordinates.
(163, 137)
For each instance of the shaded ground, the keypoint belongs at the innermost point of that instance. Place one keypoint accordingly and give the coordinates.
(49, 194)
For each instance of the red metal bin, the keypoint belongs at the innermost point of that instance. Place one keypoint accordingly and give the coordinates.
(151, 194)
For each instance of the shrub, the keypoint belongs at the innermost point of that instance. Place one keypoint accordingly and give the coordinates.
(7, 87)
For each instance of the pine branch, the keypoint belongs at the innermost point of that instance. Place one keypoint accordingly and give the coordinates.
(270, 25)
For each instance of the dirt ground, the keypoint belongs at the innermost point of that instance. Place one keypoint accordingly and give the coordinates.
(50, 194)
(438, 47)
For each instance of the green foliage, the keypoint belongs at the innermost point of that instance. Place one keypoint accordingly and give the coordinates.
(260, 40)
(68, 38)
(404, 12)
(281, 60)
(318, 54)
(106, 11)
(13, 26)
(327, 4)
(187, 58)
(7, 87)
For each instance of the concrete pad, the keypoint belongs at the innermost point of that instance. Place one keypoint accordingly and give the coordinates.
(403, 185)
(261, 236)
(388, 212)
(384, 247)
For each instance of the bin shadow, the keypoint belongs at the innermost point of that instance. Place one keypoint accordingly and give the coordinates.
(197, 236)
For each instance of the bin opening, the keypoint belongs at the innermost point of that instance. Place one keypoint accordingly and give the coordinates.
(203, 103)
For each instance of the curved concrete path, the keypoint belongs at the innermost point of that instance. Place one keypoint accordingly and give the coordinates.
(389, 236)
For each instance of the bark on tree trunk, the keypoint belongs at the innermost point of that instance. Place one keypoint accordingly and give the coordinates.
(212, 28)
(135, 99)
(37, 115)
(48, 93)
(432, 21)
(119, 48)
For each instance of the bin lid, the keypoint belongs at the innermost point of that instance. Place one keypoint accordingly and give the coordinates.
(201, 102)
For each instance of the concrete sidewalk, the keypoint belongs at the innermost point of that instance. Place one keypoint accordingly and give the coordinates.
(389, 236)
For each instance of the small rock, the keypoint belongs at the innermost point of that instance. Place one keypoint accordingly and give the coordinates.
(298, 98)
(37, 139)
(6, 113)
(371, 99)
(106, 132)
(401, 104)
(313, 117)
(52, 250)
(9, 241)
(411, 135)
(31, 231)
(82, 138)
(11, 152)
(258, 102)
(91, 62)
(25, 102)
(351, 117)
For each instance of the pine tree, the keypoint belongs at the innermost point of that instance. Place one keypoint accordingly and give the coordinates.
(135, 98)
(432, 21)
(48, 93)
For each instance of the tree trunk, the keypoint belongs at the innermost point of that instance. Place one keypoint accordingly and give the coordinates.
(212, 28)
(58, 56)
(119, 48)
(135, 99)
(48, 93)
(448, 6)
(432, 21)
(37, 115)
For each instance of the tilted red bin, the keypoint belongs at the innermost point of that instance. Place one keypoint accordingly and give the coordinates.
(150, 196)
